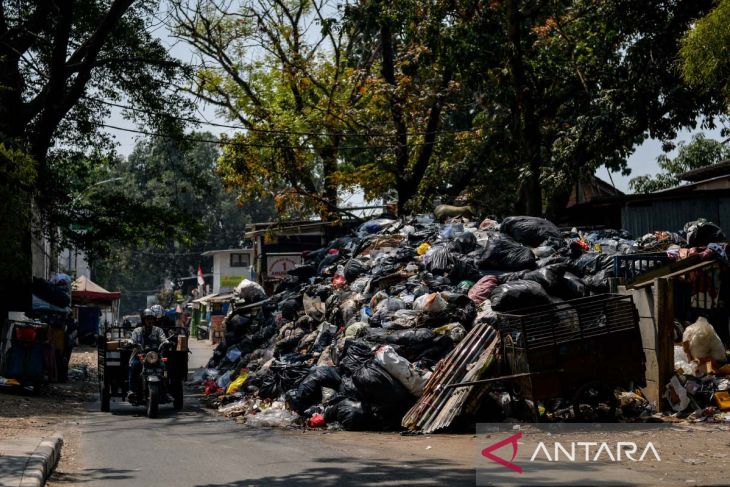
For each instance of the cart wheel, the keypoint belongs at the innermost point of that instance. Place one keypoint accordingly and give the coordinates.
(594, 401)
(105, 396)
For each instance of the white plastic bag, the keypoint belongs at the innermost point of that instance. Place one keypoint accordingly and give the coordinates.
(275, 416)
(703, 341)
(250, 291)
(681, 362)
(401, 370)
(679, 400)
(430, 303)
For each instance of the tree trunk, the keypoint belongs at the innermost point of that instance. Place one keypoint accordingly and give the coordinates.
(329, 191)
(525, 127)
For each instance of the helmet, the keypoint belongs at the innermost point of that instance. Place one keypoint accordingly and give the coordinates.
(157, 311)
(147, 312)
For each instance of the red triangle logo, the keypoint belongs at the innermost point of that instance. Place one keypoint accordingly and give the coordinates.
(487, 452)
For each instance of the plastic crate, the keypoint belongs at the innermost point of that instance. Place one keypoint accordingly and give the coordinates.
(632, 266)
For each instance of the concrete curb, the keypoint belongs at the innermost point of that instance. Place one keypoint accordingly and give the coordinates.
(42, 461)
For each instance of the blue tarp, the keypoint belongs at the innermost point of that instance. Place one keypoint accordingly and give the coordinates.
(43, 305)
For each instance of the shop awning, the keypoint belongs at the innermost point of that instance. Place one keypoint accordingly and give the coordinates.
(86, 290)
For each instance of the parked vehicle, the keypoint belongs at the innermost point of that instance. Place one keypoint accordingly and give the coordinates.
(23, 352)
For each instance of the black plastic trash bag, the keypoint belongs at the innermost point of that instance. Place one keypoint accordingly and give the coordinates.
(440, 260)
(518, 294)
(548, 277)
(303, 272)
(530, 230)
(237, 326)
(700, 233)
(598, 282)
(353, 269)
(309, 391)
(288, 283)
(353, 415)
(289, 309)
(375, 385)
(463, 268)
(503, 253)
(572, 287)
(329, 260)
(355, 354)
(282, 377)
(591, 263)
(464, 243)
(411, 338)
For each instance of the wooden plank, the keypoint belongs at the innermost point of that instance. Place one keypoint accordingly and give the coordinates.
(652, 368)
(669, 272)
(664, 312)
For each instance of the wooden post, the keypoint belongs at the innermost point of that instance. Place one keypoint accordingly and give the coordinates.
(664, 313)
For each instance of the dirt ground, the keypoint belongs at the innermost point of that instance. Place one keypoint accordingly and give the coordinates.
(57, 407)
(692, 454)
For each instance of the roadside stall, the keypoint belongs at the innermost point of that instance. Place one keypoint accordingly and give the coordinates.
(33, 350)
(93, 306)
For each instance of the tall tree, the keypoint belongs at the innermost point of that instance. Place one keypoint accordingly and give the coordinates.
(700, 152)
(179, 179)
(57, 59)
(416, 89)
(566, 86)
(280, 69)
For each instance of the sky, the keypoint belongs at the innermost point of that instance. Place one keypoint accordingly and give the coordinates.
(642, 161)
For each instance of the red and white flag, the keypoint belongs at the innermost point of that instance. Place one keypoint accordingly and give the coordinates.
(201, 279)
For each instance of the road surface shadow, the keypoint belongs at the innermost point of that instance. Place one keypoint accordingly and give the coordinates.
(357, 471)
(90, 475)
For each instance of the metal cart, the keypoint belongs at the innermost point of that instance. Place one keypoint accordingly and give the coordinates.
(24, 359)
(579, 349)
(113, 361)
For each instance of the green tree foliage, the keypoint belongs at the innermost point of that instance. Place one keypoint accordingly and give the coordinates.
(705, 52)
(57, 59)
(418, 94)
(566, 86)
(280, 69)
(178, 181)
(700, 152)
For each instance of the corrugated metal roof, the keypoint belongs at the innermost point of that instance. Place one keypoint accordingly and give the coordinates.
(712, 170)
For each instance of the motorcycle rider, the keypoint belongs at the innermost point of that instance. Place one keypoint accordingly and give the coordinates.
(161, 320)
(147, 335)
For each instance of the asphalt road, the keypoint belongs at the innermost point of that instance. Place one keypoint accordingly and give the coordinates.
(192, 448)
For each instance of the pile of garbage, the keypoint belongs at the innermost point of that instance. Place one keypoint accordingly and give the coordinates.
(352, 336)
(700, 387)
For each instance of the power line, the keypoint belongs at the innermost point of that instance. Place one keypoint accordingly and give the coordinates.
(261, 146)
(271, 131)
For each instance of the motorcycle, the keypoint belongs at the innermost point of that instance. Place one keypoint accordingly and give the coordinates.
(153, 384)
(161, 375)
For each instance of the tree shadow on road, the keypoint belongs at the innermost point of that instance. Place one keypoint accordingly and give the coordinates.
(363, 472)
(90, 475)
